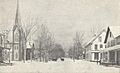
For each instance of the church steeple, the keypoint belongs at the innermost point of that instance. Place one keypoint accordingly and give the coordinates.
(17, 17)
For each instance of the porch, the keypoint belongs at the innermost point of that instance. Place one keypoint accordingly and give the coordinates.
(111, 55)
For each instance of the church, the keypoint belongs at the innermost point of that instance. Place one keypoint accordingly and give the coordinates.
(18, 38)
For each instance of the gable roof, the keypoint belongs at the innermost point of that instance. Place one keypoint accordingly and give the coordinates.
(95, 37)
(115, 30)
(17, 19)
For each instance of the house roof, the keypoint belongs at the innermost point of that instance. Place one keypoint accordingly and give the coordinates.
(115, 30)
(95, 37)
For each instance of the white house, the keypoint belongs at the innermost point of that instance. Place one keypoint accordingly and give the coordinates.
(94, 46)
(111, 54)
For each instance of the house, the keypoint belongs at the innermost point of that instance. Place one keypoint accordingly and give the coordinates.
(1, 47)
(94, 46)
(4, 50)
(111, 53)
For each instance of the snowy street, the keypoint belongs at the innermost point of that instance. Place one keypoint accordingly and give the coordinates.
(67, 66)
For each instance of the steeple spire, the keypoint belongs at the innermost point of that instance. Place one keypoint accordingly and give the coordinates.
(17, 17)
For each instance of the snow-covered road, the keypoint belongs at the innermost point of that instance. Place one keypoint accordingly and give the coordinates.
(67, 66)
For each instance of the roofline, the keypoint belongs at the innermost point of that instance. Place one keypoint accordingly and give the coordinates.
(96, 37)
(108, 29)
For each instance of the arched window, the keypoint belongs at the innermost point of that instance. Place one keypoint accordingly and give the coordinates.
(16, 56)
(16, 37)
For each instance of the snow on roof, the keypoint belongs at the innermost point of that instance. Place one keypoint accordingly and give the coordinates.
(115, 30)
(93, 39)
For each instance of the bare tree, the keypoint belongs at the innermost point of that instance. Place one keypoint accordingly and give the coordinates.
(29, 26)
(45, 43)
(76, 51)
(95, 29)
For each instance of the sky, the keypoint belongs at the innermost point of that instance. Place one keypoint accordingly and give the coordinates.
(63, 17)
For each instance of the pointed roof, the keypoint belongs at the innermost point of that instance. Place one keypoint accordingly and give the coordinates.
(95, 37)
(17, 17)
(115, 30)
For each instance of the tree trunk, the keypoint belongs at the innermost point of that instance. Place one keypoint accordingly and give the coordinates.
(24, 55)
(31, 56)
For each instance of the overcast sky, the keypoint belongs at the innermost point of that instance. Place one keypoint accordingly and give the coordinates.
(63, 17)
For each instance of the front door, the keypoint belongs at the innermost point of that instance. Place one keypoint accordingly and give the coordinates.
(96, 56)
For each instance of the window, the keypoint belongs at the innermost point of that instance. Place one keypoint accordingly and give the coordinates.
(108, 44)
(106, 56)
(16, 47)
(96, 56)
(100, 39)
(101, 55)
(105, 46)
(96, 47)
(16, 37)
(101, 46)
(16, 55)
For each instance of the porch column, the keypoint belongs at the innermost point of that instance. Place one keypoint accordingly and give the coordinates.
(115, 56)
(31, 55)
(108, 56)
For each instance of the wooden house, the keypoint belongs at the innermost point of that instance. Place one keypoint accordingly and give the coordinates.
(111, 53)
(94, 46)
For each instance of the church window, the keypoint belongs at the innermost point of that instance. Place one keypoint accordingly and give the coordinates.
(16, 37)
(16, 55)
